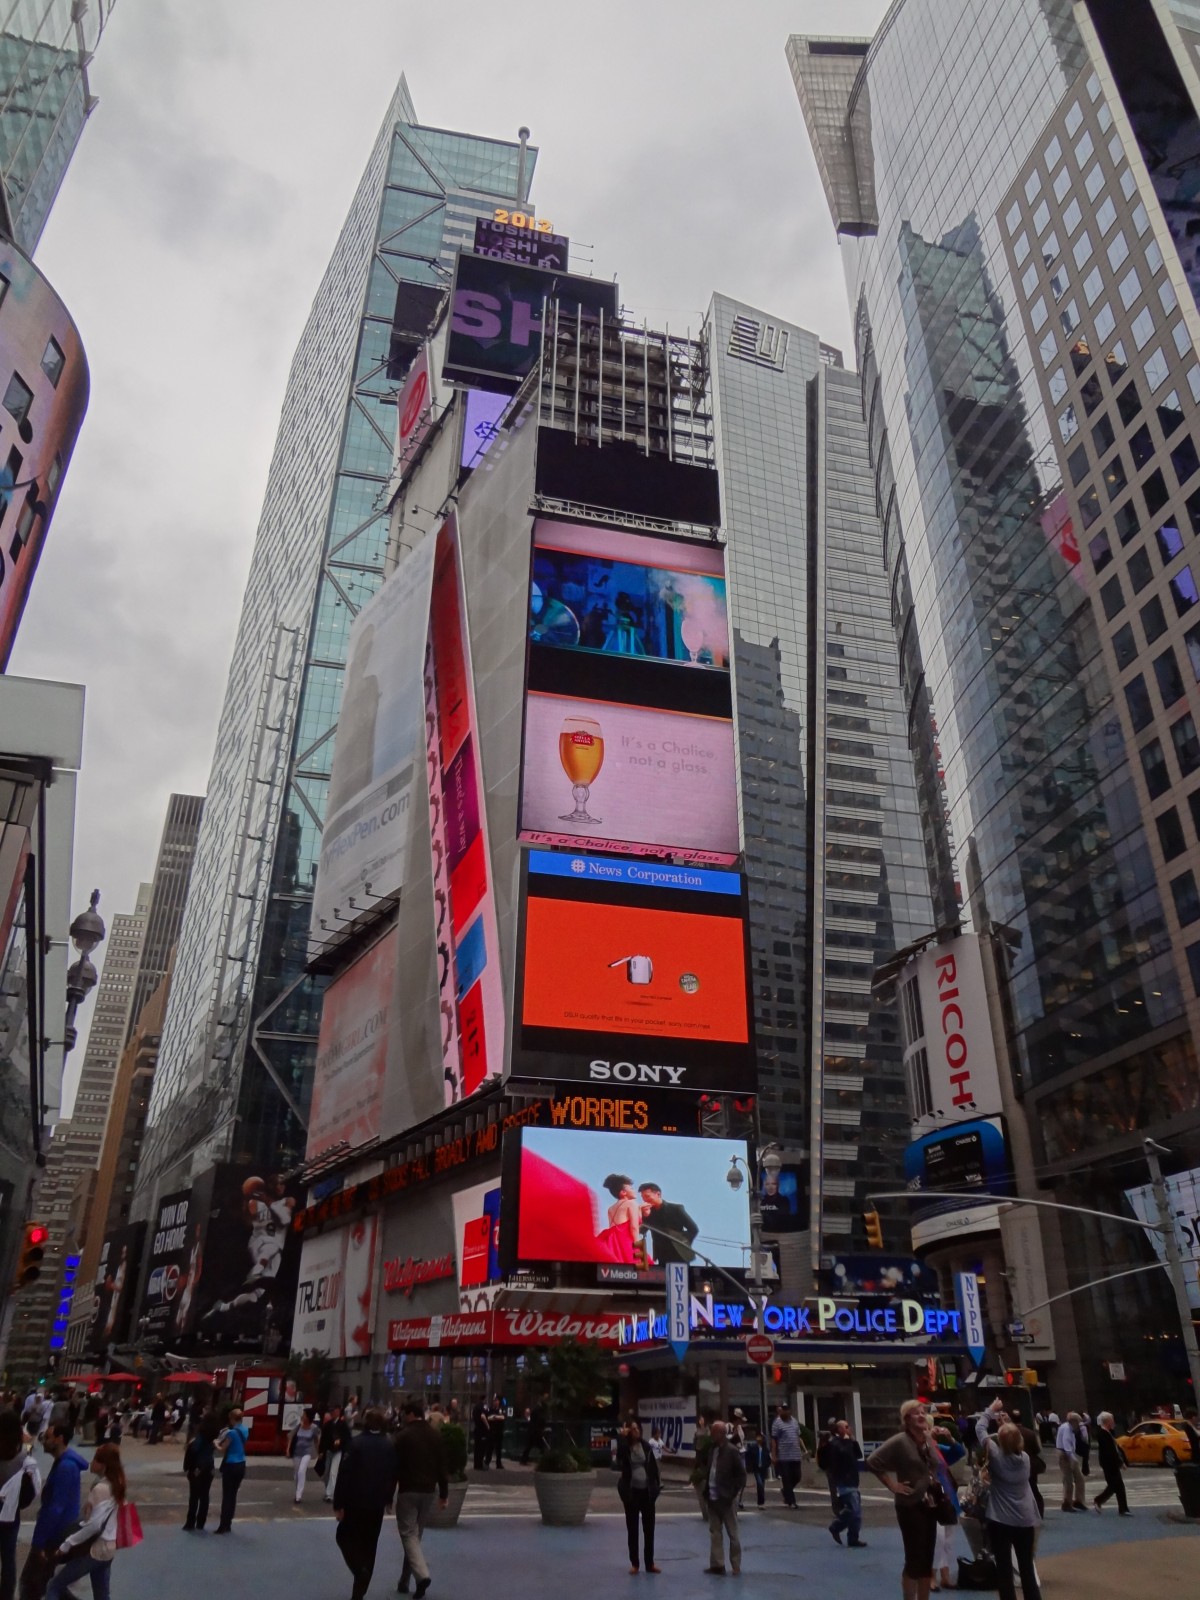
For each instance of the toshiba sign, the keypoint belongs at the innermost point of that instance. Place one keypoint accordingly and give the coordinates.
(949, 1053)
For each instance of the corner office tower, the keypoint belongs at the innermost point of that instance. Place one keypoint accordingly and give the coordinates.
(235, 1068)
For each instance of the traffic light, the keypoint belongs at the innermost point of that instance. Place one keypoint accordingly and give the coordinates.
(1024, 1377)
(874, 1229)
(33, 1250)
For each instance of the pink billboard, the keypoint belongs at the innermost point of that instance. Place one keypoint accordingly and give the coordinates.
(623, 777)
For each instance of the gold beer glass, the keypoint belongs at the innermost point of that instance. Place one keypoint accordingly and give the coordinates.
(581, 751)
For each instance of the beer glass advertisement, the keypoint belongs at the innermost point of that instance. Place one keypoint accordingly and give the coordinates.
(347, 1093)
(246, 1295)
(379, 741)
(637, 1200)
(633, 973)
(629, 717)
(116, 1280)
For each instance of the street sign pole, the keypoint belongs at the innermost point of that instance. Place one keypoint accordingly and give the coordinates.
(679, 1331)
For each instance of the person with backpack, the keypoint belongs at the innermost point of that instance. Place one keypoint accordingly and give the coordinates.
(20, 1481)
(89, 1550)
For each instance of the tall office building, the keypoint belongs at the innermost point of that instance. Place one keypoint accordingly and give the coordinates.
(45, 99)
(235, 1067)
(64, 1190)
(834, 868)
(1009, 181)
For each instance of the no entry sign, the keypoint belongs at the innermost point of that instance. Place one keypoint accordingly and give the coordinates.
(759, 1348)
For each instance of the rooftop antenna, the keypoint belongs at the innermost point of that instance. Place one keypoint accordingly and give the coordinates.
(523, 137)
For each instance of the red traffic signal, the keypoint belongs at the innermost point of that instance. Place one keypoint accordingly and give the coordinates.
(33, 1251)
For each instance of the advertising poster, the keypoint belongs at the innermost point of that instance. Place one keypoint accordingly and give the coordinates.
(174, 1240)
(674, 1418)
(1183, 1203)
(781, 1200)
(335, 1297)
(495, 337)
(414, 410)
(944, 1014)
(347, 1094)
(629, 717)
(965, 1156)
(875, 1274)
(632, 973)
(471, 995)
(481, 425)
(246, 1293)
(40, 347)
(639, 1200)
(379, 741)
(477, 1237)
(116, 1280)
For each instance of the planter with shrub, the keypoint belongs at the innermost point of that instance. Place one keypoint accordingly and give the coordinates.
(454, 1445)
(564, 1480)
(575, 1374)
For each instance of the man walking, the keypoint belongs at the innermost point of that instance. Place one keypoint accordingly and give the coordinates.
(726, 1480)
(364, 1488)
(1112, 1459)
(420, 1472)
(58, 1512)
(842, 1456)
(787, 1452)
(1069, 1464)
(336, 1439)
(233, 1467)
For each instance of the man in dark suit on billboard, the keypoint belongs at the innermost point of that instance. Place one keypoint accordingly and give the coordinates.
(671, 1228)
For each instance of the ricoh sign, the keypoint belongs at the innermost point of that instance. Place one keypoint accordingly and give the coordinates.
(949, 1054)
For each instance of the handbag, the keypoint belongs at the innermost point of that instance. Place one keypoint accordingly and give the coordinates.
(943, 1506)
(129, 1526)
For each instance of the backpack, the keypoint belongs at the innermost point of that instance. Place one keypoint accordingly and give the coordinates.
(978, 1574)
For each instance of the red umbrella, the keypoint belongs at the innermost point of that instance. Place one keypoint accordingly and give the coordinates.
(119, 1377)
(188, 1377)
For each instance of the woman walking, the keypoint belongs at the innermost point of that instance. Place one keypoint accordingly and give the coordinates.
(302, 1447)
(97, 1533)
(638, 1488)
(905, 1464)
(17, 1468)
(1012, 1516)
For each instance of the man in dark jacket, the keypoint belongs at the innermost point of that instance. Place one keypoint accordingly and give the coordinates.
(420, 1472)
(1112, 1459)
(725, 1482)
(840, 1457)
(365, 1489)
(335, 1440)
(58, 1512)
(671, 1228)
(199, 1464)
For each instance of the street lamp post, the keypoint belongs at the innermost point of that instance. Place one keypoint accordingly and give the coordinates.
(87, 932)
(769, 1161)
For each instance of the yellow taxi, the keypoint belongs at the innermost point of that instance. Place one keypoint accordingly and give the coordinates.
(1156, 1444)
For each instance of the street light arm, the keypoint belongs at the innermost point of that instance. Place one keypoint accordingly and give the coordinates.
(1111, 1277)
(1013, 1200)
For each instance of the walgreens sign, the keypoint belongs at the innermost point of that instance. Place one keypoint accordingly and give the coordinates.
(949, 1052)
(485, 1328)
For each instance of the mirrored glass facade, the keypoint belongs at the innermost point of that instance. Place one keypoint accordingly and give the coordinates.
(1026, 330)
(234, 1070)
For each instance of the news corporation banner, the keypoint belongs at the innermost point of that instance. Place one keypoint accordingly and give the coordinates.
(380, 739)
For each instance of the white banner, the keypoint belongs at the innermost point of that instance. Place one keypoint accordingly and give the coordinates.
(335, 1299)
(379, 744)
(675, 1418)
(946, 1018)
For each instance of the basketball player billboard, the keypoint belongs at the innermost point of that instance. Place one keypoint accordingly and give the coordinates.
(246, 1289)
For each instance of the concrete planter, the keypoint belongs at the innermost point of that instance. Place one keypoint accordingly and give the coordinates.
(454, 1504)
(563, 1497)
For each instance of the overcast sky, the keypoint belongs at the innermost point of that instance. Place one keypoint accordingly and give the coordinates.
(194, 225)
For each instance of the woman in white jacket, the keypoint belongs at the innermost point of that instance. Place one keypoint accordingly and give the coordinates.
(90, 1549)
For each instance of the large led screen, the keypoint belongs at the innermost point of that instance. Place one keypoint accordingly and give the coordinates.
(632, 973)
(638, 1199)
(629, 715)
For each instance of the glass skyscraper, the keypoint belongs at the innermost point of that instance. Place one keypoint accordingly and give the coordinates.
(834, 862)
(234, 1071)
(1011, 181)
(46, 47)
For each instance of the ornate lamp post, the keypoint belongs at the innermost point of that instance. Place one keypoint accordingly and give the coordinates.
(87, 932)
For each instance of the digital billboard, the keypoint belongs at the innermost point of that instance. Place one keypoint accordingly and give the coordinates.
(471, 993)
(46, 372)
(335, 1296)
(481, 425)
(477, 1244)
(356, 1016)
(495, 336)
(639, 1200)
(116, 1281)
(632, 972)
(246, 1294)
(529, 246)
(629, 741)
(964, 1156)
(781, 1199)
(368, 815)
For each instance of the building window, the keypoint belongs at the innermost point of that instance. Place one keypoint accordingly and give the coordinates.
(1140, 570)
(1184, 459)
(1183, 590)
(1187, 745)
(18, 397)
(1192, 639)
(1155, 491)
(1154, 622)
(1106, 215)
(1137, 698)
(1077, 464)
(1193, 955)
(1170, 679)
(1100, 551)
(1102, 437)
(1141, 446)
(1170, 413)
(1156, 369)
(53, 362)
(1170, 834)
(1154, 765)
(1128, 403)
(1115, 478)
(1194, 803)
(1089, 507)
(1125, 646)
(1187, 900)
(1142, 326)
(1112, 599)
(1126, 519)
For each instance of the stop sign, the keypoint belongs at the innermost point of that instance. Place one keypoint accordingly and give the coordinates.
(759, 1348)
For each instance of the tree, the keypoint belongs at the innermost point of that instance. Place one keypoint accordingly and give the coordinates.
(575, 1376)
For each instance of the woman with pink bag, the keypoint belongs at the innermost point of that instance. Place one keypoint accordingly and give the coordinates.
(110, 1523)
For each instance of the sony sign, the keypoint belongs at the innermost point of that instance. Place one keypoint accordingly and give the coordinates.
(949, 1052)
